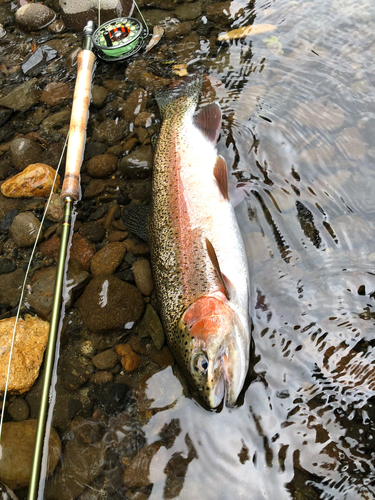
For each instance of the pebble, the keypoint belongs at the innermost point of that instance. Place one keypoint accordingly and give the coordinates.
(57, 26)
(188, 11)
(55, 121)
(7, 266)
(350, 144)
(19, 410)
(35, 180)
(55, 209)
(10, 288)
(74, 372)
(317, 115)
(109, 303)
(102, 166)
(7, 220)
(23, 152)
(130, 360)
(105, 360)
(107, 260)
(18, 440)
(144, 119)
(55, 93)
(219, 12)
(34, 16)
(29, 345)
(180, 29)
(93, 231)
(102, 377)
(143, 276)
(186, 49)
(152, 83)
(70, 63)
(151, 325)
(110, 398)
(98, 96)
(163, 357)
(137, 164)
(134, 104)
(110, 131)
(141, 250)
(24, 229)
(38, 60)
(82, 251)
(23, 96)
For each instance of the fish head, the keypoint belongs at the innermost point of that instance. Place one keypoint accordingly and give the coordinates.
(214, 350)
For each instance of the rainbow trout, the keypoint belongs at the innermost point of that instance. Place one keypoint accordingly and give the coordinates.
(197, 253)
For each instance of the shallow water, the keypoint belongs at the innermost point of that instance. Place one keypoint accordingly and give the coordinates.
(304, 427)
(298, 115)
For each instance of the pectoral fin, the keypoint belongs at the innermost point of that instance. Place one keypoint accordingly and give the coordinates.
(224, 280)
(221, 176)
(208, 120)
(135, 220)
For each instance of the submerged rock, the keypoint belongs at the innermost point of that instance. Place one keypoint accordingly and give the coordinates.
(109, 303)
(24, 229)
(29, 345)
(23, 152)
(38, 60)
(34, 16)
(151, 326)
(19, 410)
(143, 276)
(107, 260)
(35, 180)
(18, 440)
(55, 93)
(102, 165)
(10, 288)
(130, 360)
(134, 104)
(24, 96)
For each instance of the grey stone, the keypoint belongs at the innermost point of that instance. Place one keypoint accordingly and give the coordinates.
(38, 60)
(22, 97)
(34, 16)
(24, 229)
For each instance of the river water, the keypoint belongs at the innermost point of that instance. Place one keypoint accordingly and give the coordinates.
(298, 118)
(298, 123)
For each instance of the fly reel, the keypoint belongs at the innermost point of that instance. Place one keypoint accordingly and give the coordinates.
(119, 38)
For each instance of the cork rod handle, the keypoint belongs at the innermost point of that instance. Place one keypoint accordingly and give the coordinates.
(78, 123)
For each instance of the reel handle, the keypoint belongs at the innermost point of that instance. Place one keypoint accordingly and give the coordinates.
(78, 123)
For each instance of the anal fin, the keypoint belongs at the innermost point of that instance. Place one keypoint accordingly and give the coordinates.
(215, 263)
(221, 176)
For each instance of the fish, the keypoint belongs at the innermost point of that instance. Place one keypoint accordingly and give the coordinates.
(198, 258)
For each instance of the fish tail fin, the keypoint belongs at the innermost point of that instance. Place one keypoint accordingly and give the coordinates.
(190, 87)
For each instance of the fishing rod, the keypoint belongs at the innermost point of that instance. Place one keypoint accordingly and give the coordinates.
(70, 194)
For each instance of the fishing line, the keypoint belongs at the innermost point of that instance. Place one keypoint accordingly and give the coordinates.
(23, 291)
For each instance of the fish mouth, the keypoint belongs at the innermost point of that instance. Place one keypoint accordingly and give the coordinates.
(228, 379)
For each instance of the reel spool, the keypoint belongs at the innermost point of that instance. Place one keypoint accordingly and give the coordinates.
(119, 38)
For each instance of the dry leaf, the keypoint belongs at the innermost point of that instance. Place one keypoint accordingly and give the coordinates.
(179, 69)
(156, 35)
(246, 31)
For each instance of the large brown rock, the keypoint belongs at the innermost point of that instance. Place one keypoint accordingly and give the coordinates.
(35, 180)
(18, 440)
(29, 345)
(109, 304)
(107, 260)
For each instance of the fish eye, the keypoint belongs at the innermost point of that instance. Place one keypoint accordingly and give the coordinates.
(201, 364)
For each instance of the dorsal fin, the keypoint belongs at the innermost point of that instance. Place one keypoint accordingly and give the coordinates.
(221, 176)
(208, 120)
(212, 254)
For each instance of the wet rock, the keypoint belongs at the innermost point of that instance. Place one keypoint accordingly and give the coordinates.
(34, 16)
(55, 210)
(76, 13)
(163, 357)
(134, 104)
(18, 440)
(74, 372)
(6, 493)
(218, 12)
(152, 83)
(110, 132)
(188, 11)
(110, 398)
(55, 121)
(23, 152)
(7, 266)
(105, 360)
(57, 27)
(29, 345)
(107, 260)
(350, 144)
(82, 251)
(130, 360)
(135, 69)
(10, 288)
(55, 93)
(70, 63)
(151, 326)
(137, 474)
(24, 229)
(94, 149)
(81, 463)
(143, 276)
(22, 97)
(93, 231)
(141, 193)
(154, 17)
(99, 213)
(109, 303)
(180, 29)
(315, 114)
(42, 286)
(101, 377)
(5, 114)
(35, 180)
(98, 96)
(97, 186)
(187, 47)
(137, 164)
(141, 250)
(102, 166)
(19, 410)
(7, 220)
(144, 119)
(87, 431)
(320, 155)
(38, 60)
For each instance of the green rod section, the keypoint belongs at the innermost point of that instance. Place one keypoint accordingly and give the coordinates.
(50, 352)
